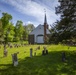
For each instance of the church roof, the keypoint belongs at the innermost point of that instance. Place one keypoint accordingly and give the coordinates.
(40, 29)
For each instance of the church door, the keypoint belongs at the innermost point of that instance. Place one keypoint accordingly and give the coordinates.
(40, 39)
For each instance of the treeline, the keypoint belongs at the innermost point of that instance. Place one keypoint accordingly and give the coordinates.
(13, 33)
(65, 30)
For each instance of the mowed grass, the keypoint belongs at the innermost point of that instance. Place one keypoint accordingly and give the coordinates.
(50, 64)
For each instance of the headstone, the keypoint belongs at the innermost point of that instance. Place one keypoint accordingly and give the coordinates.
(31, 51)
(15, 59)
(63, 56)
(34, 53)
(45, 51)
(5, 53)
(38, 48)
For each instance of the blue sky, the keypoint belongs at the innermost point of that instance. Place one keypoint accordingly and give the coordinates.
(30, 11)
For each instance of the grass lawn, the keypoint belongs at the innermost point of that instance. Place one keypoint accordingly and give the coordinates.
(50, 64)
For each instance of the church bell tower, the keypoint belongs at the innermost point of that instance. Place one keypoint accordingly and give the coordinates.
(45, 28)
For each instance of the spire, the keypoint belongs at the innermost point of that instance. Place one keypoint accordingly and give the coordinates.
(45, 19)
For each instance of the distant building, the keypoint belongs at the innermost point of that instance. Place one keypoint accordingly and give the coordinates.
(39, 34)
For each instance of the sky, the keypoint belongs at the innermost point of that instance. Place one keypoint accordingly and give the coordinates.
(30, 11)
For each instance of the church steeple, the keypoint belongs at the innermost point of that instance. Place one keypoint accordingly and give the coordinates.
(45, 19)
(45, 28)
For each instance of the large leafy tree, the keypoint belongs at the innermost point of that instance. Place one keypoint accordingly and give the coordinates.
(18, 30)
(25, 33)
(11, 32)
(30, 28)
(5, 19)
(67, 25)
(0, 30)
(27, 29)
(54, 37)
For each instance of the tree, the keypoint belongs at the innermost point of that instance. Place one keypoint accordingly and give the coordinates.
(0, 31)
(67, 25)
(11, 32)
(5, 19)
(54, 37)
(30, 28)
(27, 29)
(18, 30)
(25, 33)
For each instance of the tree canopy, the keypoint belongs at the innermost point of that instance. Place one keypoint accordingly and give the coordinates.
(10, 32)
(65, 29)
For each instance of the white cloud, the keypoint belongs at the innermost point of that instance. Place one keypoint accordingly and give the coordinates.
(29, 22)
(32, 22)
(36, 10)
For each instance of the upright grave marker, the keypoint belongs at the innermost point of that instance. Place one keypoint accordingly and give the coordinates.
(31, 51)
(5, 53)
(45, 51)
(34, 53)
(63, 56)
(15, 59)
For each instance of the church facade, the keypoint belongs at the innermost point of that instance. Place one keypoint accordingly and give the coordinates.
(40, 34)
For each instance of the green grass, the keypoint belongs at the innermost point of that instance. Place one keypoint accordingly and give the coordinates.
(50, 64)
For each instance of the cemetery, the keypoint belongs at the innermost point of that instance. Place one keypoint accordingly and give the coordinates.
(37, 37)
(31, 60)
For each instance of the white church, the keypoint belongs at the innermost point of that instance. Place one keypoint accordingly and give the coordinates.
(40, 34)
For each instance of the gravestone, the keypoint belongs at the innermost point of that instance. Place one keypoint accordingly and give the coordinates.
(34, 53)
(38, 48)
(31, 51)
(63, 56)
(45, 51)
(5, 53)
(15, 59)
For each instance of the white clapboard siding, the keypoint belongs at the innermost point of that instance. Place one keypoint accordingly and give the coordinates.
(39, 30)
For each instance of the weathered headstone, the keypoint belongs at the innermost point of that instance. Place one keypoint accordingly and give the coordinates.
(63, 56)
(5, 53)
(45, 51)
(34, 53)
(31, 51)
(15, 59)
(38, 48)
